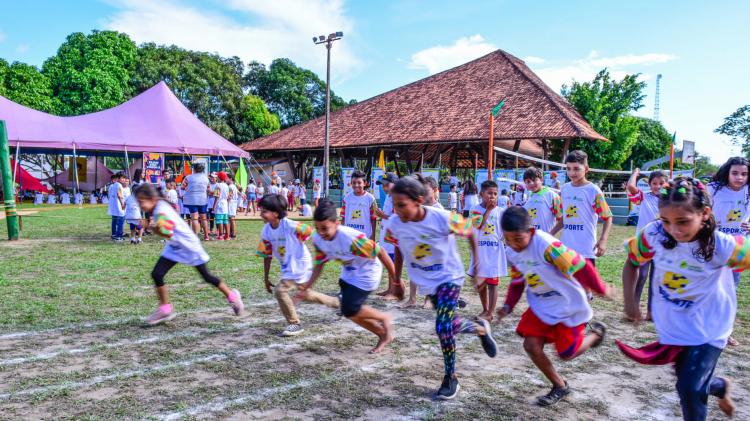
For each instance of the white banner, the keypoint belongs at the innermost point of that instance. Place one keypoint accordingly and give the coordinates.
(318, 175)
(346, 180)
(377, 190)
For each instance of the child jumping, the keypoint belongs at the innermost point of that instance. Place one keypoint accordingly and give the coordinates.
(544, 205)
(491, 250)
(695, 300)
(285, 239)
(555, 278)
(183, 246)
(648, 212)
(425, 241)
(361, 270)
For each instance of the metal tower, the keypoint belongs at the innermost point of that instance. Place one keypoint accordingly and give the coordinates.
(656, 98)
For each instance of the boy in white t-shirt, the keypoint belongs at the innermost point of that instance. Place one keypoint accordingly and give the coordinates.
(555, 278)
(504, 200)
(361, 270)
(648, 212)
(234, 201)
(491, 250)
(284, 239)
(221, 207)
(453, 199)
(544, 205)
(116, 203)
(583, 205)
(359, 207)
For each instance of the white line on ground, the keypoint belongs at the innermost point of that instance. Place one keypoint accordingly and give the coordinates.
(220, 404)
(161, 367)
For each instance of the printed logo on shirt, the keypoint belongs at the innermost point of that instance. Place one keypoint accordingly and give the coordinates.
(357, 214)
(533, 213)
(572, 211)
(675, 282)
(685, 265)
(533, 280)
(489, 229)
(734, 215)
(282, 251)
(422, 251)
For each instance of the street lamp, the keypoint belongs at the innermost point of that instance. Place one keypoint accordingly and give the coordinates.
(328, 41)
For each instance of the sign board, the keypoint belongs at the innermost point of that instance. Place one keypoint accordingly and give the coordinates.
(431, 172)
(80, 164)
(377, 190)
(688, 152)
(346, 180)
(318, 175)
(153, 167)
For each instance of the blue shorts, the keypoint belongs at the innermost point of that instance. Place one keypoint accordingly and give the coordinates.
(252, 197)
(221, 218)
(200, 209)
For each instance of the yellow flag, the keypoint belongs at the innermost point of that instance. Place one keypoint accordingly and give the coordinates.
(381, 160)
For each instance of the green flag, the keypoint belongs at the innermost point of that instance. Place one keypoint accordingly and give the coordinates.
(496, 110)
(242, 175)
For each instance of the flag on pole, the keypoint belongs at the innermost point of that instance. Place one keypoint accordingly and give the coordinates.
(381, 160)
(242, 175)
(671, 154)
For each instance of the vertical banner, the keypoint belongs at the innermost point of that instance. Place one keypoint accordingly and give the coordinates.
(318, 176)
(501, 175)
(346, 180)
(480, 177)
(377, 190)
(153, 167)
(431, 172)
(81, 165)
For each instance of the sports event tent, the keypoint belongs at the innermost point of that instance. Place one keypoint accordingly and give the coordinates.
(154, 121)
(23, 178)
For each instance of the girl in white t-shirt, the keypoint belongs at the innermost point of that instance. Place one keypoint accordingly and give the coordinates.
(425, 240)
(453, 199)
(183, 246)
(695, 300)
(316, 192)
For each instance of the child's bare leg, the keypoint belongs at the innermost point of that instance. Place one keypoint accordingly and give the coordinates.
(491, 300)
(412, 295)
(395, 291)
(534, 347)
(376, 322)
(163, 294)
(482, 290)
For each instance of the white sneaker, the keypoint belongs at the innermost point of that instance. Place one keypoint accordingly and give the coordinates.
(293, 330)
(237, 304)
(160, 316)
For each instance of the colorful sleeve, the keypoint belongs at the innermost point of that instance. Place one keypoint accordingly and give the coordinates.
(637, 198)
(639, 250)
(740, 259)
(374, 210)
(515, 274)
(565, 259)
(165, 225)
(601, 207)
(476, 217)
(458, 225)
(364, 247)
(303, 231)
(320, 256)
(265, 249)
(556, 206)
(390, 238)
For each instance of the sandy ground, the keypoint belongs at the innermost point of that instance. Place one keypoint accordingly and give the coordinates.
(208, 364)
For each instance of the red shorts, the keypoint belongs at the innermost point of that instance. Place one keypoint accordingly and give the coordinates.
(489, 281)
(567, 340)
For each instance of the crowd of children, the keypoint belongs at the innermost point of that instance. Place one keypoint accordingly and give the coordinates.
(688, 250)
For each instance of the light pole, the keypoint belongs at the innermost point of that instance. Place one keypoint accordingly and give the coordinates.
(328, 41)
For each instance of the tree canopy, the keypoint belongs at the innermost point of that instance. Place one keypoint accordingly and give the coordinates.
(606, 105)
(737, 126)
(24, 84)
(652, 141)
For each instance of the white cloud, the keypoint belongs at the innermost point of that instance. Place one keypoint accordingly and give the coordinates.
(563, 72)
(441, 57)
(257, 30)
(533, 60)
(22, 48)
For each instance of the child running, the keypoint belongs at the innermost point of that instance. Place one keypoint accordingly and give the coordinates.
(695, 301)
(544, 205)
(648, 212)
(555, 278)
(490, 248)
(394, 292)
(425, 241)
(359, 207)
(284, 239)
(361, 270)
(183, 246)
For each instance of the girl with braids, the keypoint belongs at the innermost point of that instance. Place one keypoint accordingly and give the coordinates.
(424, 240)
(694, 298)
(182, 246)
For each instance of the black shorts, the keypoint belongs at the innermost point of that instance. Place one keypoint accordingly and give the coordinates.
(352, 298)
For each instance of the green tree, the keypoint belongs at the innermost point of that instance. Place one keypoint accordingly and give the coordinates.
(652, 142)
(293, 93)
(91, 72)
(24, 84)
(606, 103)
(255, 119)
(737, 126)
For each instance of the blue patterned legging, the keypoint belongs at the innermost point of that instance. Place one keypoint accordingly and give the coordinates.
(448, 324)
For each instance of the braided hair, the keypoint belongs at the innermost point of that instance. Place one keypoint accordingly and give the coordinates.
(691, 192)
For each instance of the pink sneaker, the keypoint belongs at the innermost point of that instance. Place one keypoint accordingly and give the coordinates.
(235, 301)
(162, 314)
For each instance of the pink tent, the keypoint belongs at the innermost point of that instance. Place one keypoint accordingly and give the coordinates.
(154, 121)
(97, 176)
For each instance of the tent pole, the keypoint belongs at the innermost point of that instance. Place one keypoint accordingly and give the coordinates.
(96, 172)
(127, 162)
(15, 172)
(11, 218)
(75, 169)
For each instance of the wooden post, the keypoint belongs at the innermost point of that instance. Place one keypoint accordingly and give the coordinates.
(517, 146)
(545, 153)
(491, 148)
(409, 167)
(566, 147)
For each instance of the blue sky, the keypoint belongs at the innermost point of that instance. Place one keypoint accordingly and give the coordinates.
(699, 47)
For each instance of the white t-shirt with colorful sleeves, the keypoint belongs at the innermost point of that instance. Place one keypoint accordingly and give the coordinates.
(731, 208)
(358, 212)
(287, 244)
(429, 247)
(492, 263)
(649, 208)
(582, 208)
(544, 207)
(547, 267)
(695, 301)
(358, 255)
(183, 245)
(222, 195)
